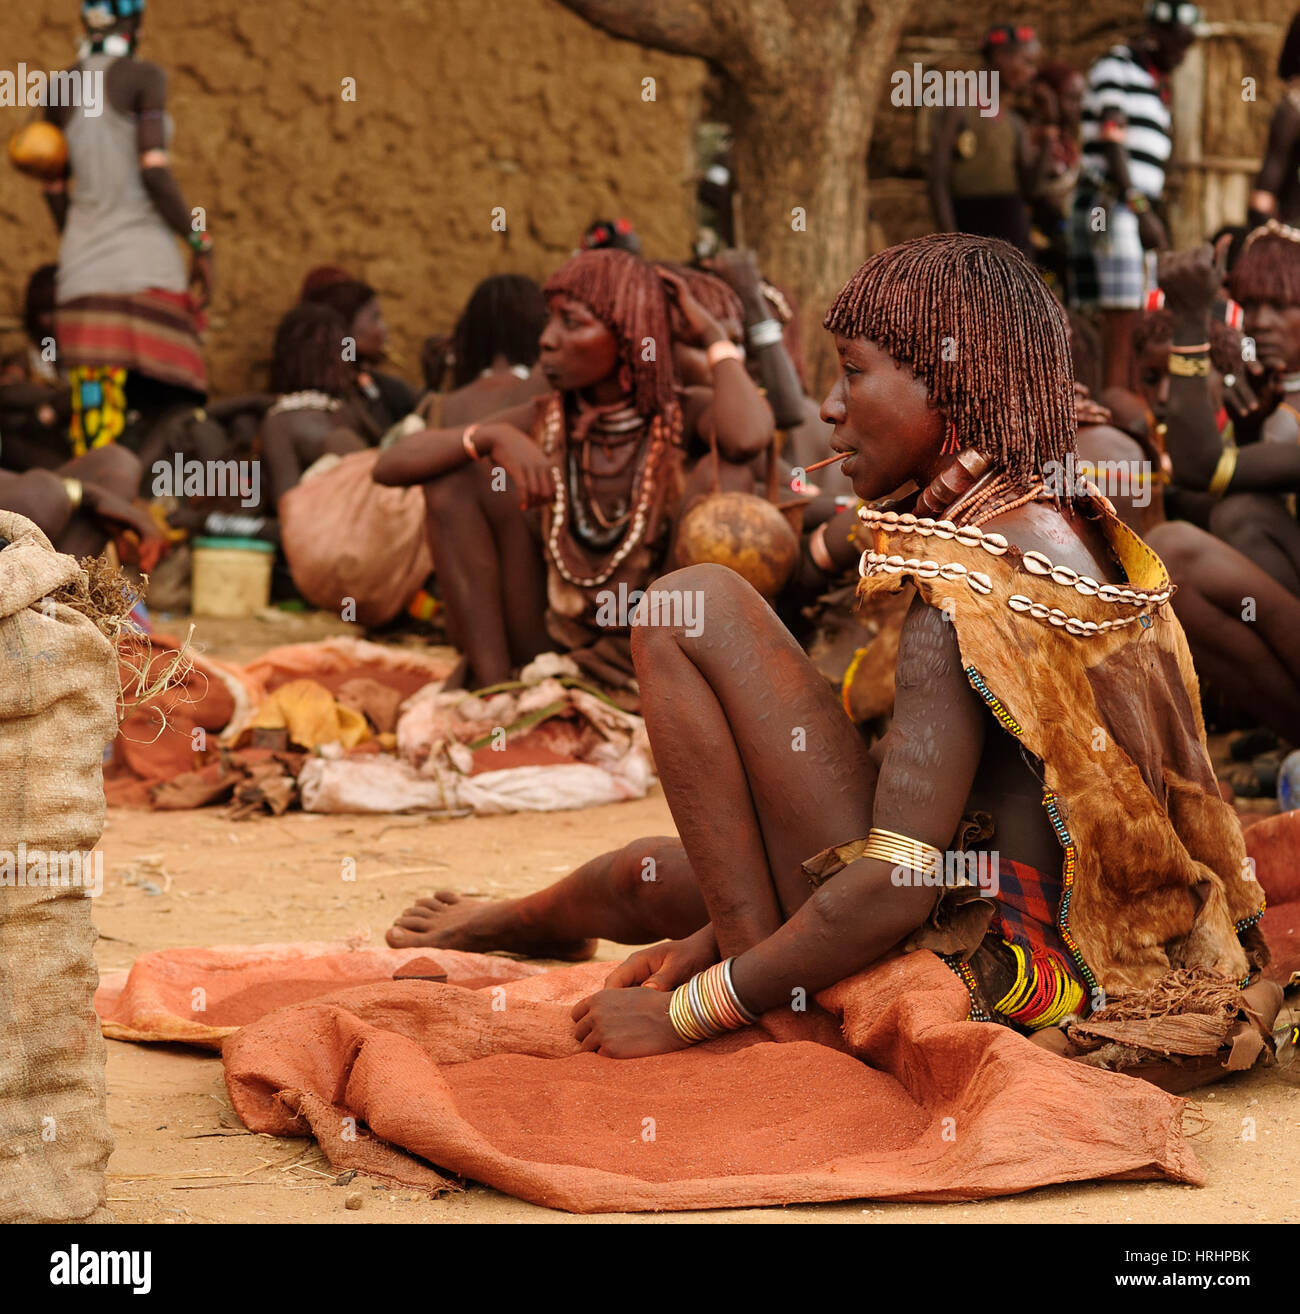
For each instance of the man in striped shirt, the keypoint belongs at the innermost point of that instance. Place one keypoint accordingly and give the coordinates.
(1127, 140)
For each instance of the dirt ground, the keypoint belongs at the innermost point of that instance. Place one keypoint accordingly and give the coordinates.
(182, 1156)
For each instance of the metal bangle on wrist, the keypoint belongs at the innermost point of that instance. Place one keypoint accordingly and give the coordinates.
(766, 333)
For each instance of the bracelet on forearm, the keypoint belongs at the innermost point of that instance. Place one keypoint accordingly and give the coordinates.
(723, 350)
(1189, 367)
(707, 1006)
(200, 242)
(1223, 472)
(818, 551)
(467, 441)
(766, 333)
(902, 851)
(1194, 350)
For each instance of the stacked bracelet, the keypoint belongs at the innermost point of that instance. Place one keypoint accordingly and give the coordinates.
(708, 1006)
(467, 441)
(766, 333)
(1196, 349)
(902, 851)
(1189, 367)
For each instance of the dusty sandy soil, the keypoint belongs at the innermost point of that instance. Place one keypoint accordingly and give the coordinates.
(182, 1156)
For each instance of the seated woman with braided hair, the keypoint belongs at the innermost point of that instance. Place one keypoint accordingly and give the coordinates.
(1237, 592)
(1043, 691)
(604, 457)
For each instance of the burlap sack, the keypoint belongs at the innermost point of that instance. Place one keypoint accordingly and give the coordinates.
(58, 684)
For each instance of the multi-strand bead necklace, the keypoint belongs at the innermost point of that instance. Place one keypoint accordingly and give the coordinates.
(630, 520)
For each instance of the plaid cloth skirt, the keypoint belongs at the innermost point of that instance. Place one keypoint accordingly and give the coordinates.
(1107, 267)
(152, 333)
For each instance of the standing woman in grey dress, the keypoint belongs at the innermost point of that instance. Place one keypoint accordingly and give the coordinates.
(128, 312)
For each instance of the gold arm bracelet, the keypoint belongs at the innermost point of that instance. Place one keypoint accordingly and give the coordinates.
(902, 850)
(1223, 472)
(1189, 367)
(75, 492)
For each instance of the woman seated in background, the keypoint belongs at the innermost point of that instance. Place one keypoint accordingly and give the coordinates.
(1255, 514)
(35, 401)
(317, 409)
(1241, 620)
(84, 502)
(385, 398)
(493, 351)
(352, 547)
(602, 457)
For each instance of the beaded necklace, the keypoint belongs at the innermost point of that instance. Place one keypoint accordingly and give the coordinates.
(664, 429)
(308, 400)
(991, 496)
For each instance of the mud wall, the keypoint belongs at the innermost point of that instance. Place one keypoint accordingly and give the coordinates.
(461, 106)
(466, 105)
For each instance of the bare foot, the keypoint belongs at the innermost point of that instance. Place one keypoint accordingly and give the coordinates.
(475, 925)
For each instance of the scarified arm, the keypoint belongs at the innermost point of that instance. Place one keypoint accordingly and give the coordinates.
(925, 779)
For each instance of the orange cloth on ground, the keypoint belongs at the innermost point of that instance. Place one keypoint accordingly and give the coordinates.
(924, 1105)
(154, 1001)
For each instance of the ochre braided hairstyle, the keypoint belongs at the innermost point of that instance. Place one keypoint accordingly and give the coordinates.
(308, 352)
(625, 294)
(1268, 268)
(711, 291)
(1008, 386)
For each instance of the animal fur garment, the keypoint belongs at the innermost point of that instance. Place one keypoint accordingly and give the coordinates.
(1155, 864)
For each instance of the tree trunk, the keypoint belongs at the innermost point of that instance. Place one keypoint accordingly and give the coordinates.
(802, 82)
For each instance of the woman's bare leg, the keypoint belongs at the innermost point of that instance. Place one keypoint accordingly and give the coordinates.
(638, 894)
(1260, 527)
(1254, 663)
(490, 572)
(40, 496)
(761, 767)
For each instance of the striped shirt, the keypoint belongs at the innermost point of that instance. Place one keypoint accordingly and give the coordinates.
(1123, 103)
